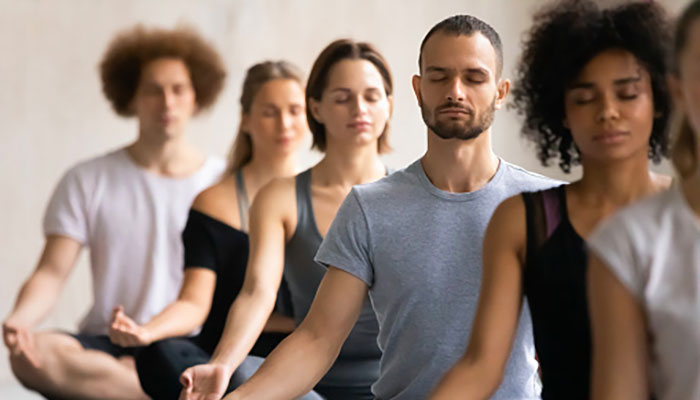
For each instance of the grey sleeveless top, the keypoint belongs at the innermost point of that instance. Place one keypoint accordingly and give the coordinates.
(358, 361)
(242, 197)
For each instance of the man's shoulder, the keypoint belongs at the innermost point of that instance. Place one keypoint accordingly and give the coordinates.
(97, 165)
(526, 180)
(391, 185)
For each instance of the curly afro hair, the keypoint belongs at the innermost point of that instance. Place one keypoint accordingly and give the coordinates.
(564, 38)
(130, 50)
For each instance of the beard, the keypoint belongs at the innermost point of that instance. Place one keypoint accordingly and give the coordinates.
(462, 130)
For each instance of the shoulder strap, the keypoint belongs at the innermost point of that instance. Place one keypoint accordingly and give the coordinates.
(303, 188)
(543, 213)
(242, 197)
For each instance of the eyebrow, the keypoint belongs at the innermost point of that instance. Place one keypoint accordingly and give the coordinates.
(347, 90)
(616, 82)
(446, 70)
(341, 89)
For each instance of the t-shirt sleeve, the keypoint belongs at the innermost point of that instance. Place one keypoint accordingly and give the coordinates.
(347, 244)
(198, 243)
(67, 212)
(614, 243)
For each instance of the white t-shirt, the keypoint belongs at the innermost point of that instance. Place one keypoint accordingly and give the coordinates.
(653, 247)
(131, 221)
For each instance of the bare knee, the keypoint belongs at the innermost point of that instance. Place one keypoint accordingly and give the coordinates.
(45, 369)
(23, 370)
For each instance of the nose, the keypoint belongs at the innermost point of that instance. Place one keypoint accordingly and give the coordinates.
(285, 120)
(608, 109)
(456, 90)
(168, 98)
(359, 105)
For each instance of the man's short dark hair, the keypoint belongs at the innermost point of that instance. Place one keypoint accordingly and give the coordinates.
(466, 25)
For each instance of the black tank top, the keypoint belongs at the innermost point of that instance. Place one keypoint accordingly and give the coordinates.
(213, 244)
(554, 280)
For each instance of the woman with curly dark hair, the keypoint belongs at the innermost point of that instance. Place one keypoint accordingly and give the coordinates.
(591, 85)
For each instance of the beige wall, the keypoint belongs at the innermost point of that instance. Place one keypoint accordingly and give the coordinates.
(52, 112)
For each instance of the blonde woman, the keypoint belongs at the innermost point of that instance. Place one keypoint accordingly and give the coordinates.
(273, 124)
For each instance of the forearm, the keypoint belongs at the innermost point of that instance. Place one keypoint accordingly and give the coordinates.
(244, 323)
(469, 379)
(293, 368)
(279, 323)
(179, 318)
(36, 298)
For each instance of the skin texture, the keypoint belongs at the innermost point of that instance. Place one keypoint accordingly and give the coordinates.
(609, 110)
(277, 125)
(620, 332)
(354, 109)
(54, 363)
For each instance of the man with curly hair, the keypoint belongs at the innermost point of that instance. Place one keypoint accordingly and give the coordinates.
(129, 208)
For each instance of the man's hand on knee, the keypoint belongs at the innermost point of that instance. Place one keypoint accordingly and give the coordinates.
(20, 342)
(205, 382)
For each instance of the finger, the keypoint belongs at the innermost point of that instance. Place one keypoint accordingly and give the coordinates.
(9, 327)
(186, 380)
(27, 350)
(10, 339)
(119, 312)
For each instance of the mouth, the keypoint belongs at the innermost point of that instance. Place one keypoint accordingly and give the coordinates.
(166, 119)
(611, 136)
(454, 111)
(359, 125)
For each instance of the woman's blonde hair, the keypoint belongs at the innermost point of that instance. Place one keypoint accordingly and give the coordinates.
(685, 150)
(259, 74)
(684, 154)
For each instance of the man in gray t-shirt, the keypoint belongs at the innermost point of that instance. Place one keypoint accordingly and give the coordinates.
(414, 239)
(418, 249)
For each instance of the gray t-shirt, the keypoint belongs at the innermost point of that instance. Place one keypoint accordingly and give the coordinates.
(419, 249)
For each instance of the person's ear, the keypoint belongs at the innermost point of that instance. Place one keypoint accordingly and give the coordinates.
(502, 90)
(314, 107)
(415, 82)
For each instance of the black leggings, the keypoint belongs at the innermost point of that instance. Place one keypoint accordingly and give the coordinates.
(160, 365)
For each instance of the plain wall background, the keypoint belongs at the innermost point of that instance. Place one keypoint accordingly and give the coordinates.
(53, 113)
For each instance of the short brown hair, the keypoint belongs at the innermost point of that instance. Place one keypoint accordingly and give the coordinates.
(256, 76)
(343, 49)
(130, 50)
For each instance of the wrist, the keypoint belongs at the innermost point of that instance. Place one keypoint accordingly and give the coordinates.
(15, 320)
(226, 369)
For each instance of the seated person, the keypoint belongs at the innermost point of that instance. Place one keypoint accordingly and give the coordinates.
(129, 208)
(273, 125)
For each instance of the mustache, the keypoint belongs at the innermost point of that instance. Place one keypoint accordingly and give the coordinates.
(454, 104)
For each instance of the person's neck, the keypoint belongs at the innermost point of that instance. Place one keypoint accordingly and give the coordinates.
(171, 157)
(264, 168)
(616, 184)
(349, 165)
(460, 166)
